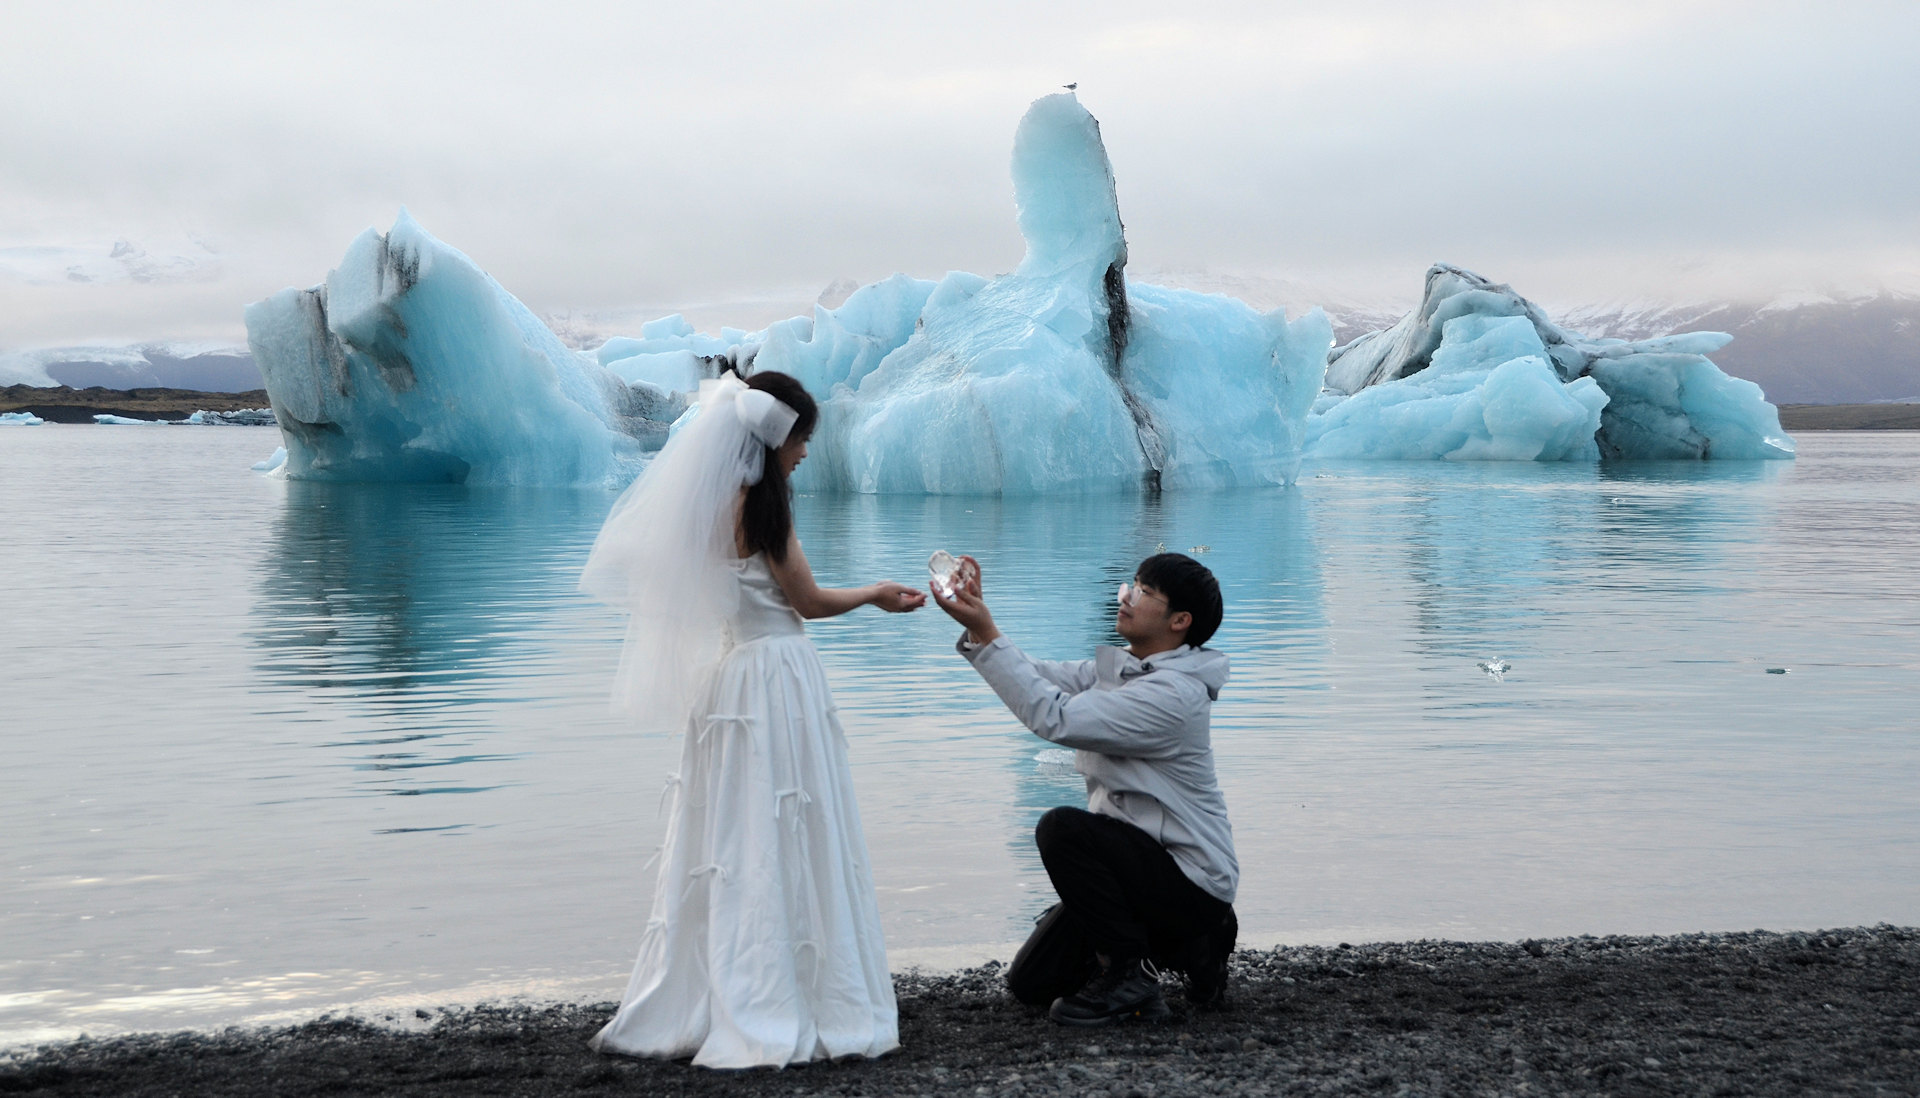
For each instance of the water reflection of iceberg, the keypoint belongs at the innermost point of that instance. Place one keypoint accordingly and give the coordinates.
(391, 617)
(1483, 547)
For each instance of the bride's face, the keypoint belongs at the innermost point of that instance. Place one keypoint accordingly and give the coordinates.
(791, 453)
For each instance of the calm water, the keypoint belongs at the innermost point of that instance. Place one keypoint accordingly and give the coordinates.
(274, 748)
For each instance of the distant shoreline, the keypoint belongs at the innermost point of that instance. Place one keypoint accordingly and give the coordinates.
(1850, 417)
(64, 405)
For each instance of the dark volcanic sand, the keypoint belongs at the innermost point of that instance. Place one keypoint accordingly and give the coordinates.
(1832, 1012)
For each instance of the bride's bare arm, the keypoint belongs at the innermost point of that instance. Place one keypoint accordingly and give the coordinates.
(810, 600)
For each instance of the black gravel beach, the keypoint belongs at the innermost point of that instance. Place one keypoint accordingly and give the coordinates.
(1827, 1012)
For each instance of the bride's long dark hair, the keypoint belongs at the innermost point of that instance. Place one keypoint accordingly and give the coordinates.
(766, 523)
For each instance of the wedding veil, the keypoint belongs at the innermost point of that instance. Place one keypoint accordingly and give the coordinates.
(665, 553)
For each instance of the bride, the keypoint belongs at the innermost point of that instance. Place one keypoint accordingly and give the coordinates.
(764, 944)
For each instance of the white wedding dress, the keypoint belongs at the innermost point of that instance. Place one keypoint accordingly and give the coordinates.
(764, 945)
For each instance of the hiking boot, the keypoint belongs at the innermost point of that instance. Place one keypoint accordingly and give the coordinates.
(1204, 960)
(1124, 992)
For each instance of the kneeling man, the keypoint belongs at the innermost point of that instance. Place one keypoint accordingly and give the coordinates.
(1146, 874)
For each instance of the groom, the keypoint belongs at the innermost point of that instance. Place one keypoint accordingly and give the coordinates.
(1146, 874)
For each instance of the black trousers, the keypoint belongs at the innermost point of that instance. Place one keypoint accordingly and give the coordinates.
(1122, 895)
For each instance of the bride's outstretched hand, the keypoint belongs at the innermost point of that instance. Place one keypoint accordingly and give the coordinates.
(897, 598)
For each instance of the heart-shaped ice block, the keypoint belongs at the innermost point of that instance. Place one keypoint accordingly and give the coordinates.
(947, 572)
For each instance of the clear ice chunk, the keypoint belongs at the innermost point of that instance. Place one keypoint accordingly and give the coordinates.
(948, 573)
(1055, 763)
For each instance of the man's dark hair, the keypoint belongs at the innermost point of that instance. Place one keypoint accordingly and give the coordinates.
(1188, 586)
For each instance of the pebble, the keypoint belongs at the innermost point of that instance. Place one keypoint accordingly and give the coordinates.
(1423, 1017)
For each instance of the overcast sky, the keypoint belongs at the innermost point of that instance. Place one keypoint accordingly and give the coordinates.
(610, 157)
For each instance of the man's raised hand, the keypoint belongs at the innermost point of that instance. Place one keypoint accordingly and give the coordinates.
(966, 605)
(970, 575)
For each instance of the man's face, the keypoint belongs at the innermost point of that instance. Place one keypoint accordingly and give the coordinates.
(1143, 613)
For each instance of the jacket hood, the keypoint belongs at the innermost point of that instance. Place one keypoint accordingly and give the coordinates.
(1205, 664)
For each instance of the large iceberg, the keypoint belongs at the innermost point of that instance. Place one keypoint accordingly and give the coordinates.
(1062, 375)
(409, 363)
(1476, 371)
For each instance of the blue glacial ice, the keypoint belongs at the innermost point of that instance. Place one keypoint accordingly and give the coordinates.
(125, 421)
(842, 346)
(1478, 372)
(20, 419)
(670, 356)
(410, 363)
(1061, 376)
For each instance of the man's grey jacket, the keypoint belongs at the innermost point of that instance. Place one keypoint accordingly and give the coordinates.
(1140, 734)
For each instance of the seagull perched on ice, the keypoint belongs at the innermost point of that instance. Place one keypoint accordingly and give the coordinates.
(1071, 86)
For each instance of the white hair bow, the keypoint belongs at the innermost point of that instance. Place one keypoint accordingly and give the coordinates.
(765, 416)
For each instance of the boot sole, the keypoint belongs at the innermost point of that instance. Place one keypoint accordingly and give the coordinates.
(1146, 1013)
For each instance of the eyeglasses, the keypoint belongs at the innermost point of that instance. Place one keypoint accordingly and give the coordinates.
(1130, 594)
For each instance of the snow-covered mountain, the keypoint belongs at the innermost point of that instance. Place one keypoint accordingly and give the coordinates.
(1801, 348)
(213, 368)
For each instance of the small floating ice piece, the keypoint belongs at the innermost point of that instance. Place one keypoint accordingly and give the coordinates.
(1495, 669)
(20, 419)
(1778, 670)
(243, 417)
(278, 459)
(1199, 549)
(123, 421)
(1055, 763)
